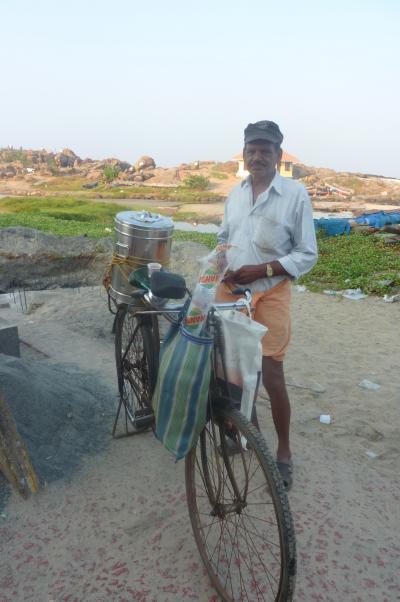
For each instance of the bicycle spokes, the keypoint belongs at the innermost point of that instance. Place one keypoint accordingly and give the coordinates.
(237, 528)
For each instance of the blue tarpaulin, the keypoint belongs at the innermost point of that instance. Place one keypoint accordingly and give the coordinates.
(379, 219)
(341, 225)
(334, 226)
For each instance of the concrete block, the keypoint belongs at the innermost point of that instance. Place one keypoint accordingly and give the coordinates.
(9, 339)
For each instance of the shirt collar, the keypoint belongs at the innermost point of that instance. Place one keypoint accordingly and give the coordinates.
(276, 183)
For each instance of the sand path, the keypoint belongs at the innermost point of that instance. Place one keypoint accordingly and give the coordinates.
(118, 529)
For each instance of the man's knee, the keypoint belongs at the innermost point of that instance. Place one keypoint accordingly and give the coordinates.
(273, 375)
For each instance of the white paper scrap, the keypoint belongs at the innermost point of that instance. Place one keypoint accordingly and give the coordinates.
(367, 384)
(325, 419)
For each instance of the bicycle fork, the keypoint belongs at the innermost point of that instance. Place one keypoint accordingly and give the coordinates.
(222, 459)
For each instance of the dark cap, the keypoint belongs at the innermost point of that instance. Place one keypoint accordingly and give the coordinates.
(263, 130)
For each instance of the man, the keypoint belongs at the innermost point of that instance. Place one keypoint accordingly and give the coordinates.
(268, 221)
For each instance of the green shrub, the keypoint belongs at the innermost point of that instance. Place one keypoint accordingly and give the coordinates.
(10, 154)
(196, 181)
(51, 164)
(110, 172)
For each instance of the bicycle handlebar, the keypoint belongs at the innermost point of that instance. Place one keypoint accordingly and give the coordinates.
(160, 306)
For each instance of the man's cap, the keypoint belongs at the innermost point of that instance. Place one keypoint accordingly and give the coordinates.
(263, 130)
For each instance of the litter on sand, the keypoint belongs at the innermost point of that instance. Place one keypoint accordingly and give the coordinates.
(351, 293)
(325, 419)
(354, 293)
(372, 455)
(367, 384)
(391, 298)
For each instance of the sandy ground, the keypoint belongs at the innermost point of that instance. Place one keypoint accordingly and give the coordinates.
(117, 528)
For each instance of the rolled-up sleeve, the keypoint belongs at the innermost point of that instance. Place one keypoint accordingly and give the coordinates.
(304, 253)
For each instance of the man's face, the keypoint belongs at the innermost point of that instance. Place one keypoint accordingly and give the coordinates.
(261, 157)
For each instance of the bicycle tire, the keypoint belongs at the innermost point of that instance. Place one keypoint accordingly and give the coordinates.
(224, 530)
(136, 357)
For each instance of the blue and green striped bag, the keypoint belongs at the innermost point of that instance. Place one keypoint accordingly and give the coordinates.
(181, 393)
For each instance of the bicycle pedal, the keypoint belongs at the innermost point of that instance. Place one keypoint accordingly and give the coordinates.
(143, 418)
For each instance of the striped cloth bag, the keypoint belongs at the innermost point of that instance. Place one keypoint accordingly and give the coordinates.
(181, 393)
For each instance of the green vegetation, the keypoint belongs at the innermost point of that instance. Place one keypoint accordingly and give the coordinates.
(180, 194)
(69, 185)
(355, 261)
(218, 175)
(110, 172)
(65, 183)
(51, 164)
(197, 182)
(62, 216)
(9, 155)
(210, 240)
(63, 208)
(52, 225)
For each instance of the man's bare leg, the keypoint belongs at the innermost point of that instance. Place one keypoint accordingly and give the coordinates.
(274, 382)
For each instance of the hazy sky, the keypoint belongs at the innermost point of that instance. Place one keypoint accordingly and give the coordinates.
(180, 80)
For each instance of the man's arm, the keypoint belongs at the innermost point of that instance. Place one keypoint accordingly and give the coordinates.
(249, 273)
(304, 253)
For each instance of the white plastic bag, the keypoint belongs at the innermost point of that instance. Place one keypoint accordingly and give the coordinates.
(212, 270)
(243, 354)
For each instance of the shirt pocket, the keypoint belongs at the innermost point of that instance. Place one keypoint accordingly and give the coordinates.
(269, 235)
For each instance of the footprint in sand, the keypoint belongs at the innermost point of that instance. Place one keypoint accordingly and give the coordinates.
(389, 454)
(368, 432)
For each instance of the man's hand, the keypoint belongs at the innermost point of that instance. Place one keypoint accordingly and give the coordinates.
(245, 275)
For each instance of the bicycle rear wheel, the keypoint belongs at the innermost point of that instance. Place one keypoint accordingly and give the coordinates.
(136, 355)
(239, 512)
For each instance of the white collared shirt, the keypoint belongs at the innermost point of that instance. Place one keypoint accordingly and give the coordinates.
(279, 226)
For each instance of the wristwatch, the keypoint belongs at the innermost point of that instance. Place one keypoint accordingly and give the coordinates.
(269, 272)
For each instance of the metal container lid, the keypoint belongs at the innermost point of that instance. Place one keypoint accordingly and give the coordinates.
(145, 219)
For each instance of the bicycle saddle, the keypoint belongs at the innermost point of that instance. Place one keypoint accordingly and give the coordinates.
(167, 285)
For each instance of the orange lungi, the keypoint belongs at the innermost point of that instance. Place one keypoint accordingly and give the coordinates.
(272, 308)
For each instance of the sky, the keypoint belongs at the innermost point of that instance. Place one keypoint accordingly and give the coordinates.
(179, 81)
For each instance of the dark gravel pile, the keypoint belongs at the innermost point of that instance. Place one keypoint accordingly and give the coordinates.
(61, 413)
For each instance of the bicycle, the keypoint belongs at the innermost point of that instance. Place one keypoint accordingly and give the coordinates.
(237, 503)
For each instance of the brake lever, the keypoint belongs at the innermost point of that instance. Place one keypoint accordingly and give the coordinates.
(241, 291)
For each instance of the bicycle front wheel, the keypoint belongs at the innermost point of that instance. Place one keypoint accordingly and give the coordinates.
(136, 355)
(239, 512)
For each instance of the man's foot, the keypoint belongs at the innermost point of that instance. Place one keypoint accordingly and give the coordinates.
(286, 472)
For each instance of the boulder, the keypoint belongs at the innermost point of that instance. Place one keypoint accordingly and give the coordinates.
(145, 162)
(90, 185)
(9, 171)
(301, 171)
(66, 158)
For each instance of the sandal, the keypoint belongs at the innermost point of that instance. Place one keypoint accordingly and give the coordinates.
(286, 472)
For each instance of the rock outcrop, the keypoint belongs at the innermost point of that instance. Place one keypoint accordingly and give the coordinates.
(35, 260)
(145, 162)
